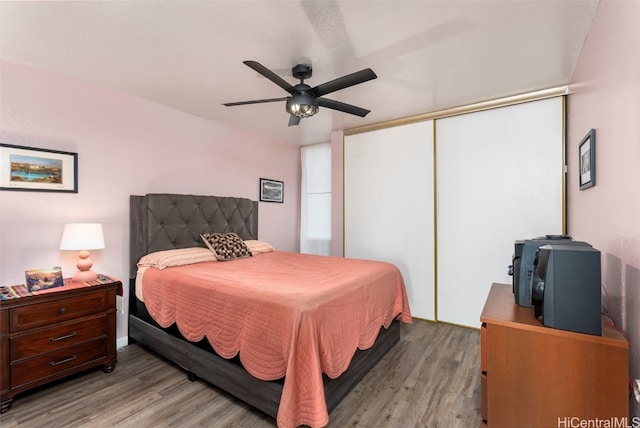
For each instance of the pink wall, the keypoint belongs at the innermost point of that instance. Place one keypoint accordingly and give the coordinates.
(125, 146)
(605, 95)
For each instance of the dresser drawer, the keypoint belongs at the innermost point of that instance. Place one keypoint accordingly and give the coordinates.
(71, 333)
(41, 314)
(45, 365)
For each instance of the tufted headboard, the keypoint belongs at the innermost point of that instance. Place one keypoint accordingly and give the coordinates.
(163, 221)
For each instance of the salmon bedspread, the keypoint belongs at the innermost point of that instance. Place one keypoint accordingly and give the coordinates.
(284, 314)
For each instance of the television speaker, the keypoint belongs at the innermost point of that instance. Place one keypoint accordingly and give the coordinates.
(566, 288)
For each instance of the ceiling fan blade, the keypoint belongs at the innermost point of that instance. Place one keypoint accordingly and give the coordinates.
(271, 76)
(343, 82)
(294, 120)
(241, 103)
(344, 107)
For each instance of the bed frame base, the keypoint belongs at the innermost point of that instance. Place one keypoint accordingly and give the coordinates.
(232, 378)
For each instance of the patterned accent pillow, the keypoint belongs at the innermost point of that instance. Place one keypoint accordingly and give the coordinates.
(226, 246)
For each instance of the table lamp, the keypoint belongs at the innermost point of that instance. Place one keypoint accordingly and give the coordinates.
(83, 237)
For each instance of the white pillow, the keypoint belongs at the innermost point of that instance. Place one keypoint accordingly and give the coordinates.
(257, 247)
(178, 257)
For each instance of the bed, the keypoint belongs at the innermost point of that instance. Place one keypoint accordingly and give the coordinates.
(308, 360)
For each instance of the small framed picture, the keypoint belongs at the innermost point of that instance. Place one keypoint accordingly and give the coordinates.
(33, 169)
(587, 160)
(271, 190)
(40, 279)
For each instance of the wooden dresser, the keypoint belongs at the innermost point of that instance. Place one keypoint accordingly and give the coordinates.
(536, 376)
(51, 335)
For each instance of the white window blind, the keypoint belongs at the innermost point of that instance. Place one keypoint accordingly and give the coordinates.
(315, 209)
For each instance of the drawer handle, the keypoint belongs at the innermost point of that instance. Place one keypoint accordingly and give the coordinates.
(66, 336)
(66, 360)
(63, 310)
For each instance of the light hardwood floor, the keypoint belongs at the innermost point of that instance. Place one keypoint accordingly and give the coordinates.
(431, 378)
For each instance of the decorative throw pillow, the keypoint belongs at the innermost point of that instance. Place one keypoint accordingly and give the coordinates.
(226, 246)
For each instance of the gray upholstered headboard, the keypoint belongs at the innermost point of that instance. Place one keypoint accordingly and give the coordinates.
(163, 221)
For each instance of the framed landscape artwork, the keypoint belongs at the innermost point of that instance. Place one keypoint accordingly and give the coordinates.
(34, 169)
(271, 190)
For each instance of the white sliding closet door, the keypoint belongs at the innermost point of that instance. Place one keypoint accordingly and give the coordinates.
(499, 179)
(389, 205)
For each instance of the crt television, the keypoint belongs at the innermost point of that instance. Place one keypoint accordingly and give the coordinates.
(522, 263)
(566, 288)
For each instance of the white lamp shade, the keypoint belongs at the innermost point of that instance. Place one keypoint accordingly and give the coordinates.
(82, 236)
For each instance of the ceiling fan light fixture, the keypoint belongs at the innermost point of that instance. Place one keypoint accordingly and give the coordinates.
(304, 100)
(302, 105)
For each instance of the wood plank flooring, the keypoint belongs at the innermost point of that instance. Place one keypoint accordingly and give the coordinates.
(430, 379)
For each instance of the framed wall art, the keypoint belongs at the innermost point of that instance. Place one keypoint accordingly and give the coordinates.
(34, 169)
(271, 190)
(587, 160)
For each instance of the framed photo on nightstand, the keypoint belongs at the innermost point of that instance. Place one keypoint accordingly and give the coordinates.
(40, 279)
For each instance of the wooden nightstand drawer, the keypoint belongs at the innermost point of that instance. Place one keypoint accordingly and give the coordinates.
(71, 333)
(27, 317)
(45, 365)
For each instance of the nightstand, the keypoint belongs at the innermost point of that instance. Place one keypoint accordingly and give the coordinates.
(51, 334)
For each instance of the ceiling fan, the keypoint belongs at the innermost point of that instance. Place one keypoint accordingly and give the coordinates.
(305, 100)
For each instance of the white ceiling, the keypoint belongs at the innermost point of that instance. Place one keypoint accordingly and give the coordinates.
(428, 55)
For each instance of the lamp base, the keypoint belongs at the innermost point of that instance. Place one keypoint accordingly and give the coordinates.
(84, 276)
(84, 264)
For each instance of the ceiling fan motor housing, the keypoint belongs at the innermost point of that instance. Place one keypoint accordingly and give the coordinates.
(302, 71)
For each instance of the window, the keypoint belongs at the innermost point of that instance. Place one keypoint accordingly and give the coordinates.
(315, 200)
